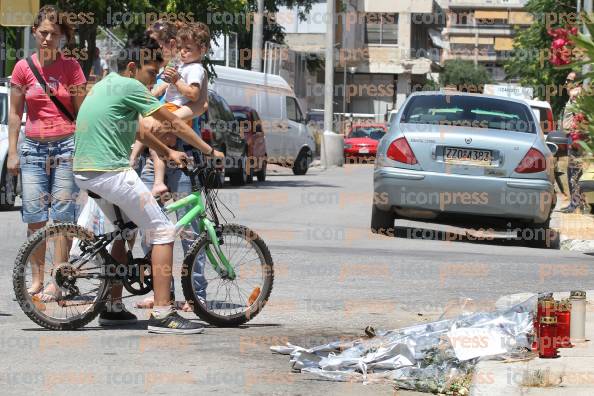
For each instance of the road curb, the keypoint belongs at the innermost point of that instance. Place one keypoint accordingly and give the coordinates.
(572, 229)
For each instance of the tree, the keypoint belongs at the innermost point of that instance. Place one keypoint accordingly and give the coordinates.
(273, 32)
(201, 10)
(464, 75)
(529, 60)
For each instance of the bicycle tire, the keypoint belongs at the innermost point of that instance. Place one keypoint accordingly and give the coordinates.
(20, 288)
(256, 307)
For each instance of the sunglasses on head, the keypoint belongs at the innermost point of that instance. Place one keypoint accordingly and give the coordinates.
(157, 26)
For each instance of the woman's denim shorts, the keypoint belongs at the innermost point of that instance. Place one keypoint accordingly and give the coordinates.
(49, 190)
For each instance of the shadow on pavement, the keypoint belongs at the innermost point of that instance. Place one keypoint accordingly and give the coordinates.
(473, 232)
(270, 184)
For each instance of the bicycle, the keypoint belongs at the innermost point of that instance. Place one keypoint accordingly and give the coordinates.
(100, 270)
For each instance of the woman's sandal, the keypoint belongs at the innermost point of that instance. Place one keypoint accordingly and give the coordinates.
(35, 291)
(47, 296)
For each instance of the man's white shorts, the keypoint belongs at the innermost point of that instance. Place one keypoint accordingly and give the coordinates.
(126, 190)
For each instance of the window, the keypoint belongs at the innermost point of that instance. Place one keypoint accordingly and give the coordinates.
(381, 28)
(469, 111)
(293, 111)
(373, 133)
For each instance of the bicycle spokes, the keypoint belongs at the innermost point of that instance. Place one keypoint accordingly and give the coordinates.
(60, 284)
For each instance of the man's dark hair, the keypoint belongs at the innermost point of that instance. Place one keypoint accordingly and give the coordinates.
(142, 51)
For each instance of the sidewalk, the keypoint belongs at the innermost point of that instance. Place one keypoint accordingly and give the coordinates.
(576, 231)
(570, 374)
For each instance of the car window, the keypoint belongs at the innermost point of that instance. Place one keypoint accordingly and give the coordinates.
(543, 115)
(3, 108)
(373, 133)
(213, 108)
(239, 116)
(469, 111)
(293, 111)
(226, 112)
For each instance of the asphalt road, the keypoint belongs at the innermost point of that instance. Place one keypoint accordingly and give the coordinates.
(333, 278)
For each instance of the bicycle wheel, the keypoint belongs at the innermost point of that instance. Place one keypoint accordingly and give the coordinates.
(72, 292)
(225, 302)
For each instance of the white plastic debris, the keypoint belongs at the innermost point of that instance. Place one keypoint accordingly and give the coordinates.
(469, 342)
(426, 357)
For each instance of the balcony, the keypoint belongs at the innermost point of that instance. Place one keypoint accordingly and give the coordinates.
(391, 6)
(488, 4)
(490, 30)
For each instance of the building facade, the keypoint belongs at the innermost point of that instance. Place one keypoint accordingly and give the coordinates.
(482, 31)
(383, 50)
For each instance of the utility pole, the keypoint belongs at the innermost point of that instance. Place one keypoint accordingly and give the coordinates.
(476, 42)
(257, 36)
(329, 81)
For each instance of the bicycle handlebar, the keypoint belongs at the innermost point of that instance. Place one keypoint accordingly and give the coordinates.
(198, 170)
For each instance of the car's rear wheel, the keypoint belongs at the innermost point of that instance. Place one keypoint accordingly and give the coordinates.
(538, 235)
(382, 221)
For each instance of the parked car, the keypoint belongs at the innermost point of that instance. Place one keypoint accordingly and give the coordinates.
(250, 126)
(221, 130)
(288, 141)
(469, 154)
(362, 140)
(9, 185)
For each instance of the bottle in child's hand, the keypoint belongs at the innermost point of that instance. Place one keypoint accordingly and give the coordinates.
(174, 62)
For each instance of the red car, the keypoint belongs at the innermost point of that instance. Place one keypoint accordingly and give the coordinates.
(363, 139)
(250, 126)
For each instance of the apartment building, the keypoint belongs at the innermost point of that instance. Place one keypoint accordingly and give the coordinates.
(384, 48)
(483, 31)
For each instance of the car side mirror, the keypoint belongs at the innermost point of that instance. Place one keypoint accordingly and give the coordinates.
(557, 138)
(553, 148)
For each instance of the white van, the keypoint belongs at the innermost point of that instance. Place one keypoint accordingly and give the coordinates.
(288, 141)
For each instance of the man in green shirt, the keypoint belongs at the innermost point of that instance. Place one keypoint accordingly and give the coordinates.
(106, 128)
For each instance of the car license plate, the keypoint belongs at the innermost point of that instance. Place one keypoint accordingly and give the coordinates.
(463, 155)
(364, 150)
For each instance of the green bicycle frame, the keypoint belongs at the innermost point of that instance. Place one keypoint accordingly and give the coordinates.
(204, 224)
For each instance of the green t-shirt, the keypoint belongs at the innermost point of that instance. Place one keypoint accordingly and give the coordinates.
(107, 122)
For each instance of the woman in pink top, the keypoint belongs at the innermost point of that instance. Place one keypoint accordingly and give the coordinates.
(45, 159)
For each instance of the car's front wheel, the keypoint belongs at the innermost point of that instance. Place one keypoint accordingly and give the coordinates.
(382, 221)
(301, 165)
(240, 177)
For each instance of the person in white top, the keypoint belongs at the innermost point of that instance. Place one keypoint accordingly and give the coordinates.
(186, 82)
(100, 67)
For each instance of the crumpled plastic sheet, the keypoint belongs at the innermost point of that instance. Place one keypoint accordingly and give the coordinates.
(420, 357)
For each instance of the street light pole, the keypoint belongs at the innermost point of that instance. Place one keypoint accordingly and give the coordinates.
(257, 36)
(329, 80)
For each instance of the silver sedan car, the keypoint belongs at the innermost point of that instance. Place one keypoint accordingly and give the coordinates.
(465, 154)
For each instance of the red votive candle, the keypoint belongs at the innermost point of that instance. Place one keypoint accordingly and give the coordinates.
(547, 340)
(546, 307)
(563, 315)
